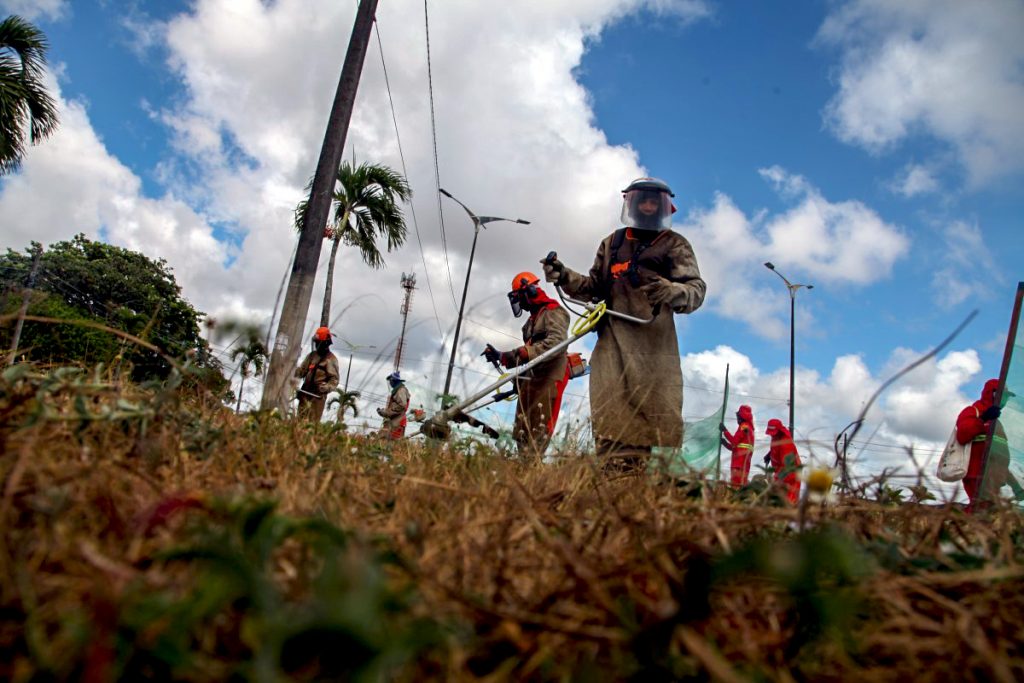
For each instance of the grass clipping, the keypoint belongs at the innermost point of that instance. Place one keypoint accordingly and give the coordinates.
(149, 533)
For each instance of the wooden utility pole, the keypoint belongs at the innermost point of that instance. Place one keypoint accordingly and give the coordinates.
(37, 252)
(408, 284)
(288, 341)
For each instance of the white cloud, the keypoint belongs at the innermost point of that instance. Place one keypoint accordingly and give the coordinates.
(32, 10)
(914, 180)
(967, 268)
(70, 183)
(684, 10)
(945, 68)
(842, 242)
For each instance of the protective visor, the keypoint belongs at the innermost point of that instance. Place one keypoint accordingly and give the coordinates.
(516, 303)
(647, 210)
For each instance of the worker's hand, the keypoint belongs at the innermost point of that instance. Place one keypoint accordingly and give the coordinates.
(492, 354)
(661, 291)
(675, 295)
(553, 268)
(991, 413)
(380, 411)
(767, 459)
(722, 428)
(725, 443)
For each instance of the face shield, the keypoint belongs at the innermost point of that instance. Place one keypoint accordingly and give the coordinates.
(516, 302)
(647, 210)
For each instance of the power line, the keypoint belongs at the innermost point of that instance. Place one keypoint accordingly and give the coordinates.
(405, 171)
(437, 168)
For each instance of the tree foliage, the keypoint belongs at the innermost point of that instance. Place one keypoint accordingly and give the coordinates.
(24, 102)
(254, 354)
(366, 207)
(85, 280)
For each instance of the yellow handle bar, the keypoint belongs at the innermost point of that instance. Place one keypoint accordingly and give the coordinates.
(589, 321)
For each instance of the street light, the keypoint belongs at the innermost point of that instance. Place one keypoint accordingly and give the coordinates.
(792, 332)
(478, 222)
(352, 348)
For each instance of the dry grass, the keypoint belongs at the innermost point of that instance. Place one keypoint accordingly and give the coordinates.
(136, 541)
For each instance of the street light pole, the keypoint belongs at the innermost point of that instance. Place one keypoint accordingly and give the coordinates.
(478, 222)
(352, 348)
(792, 333)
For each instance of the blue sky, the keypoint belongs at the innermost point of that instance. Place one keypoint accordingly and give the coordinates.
(872, 149)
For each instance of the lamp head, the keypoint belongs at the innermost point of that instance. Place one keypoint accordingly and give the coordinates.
(769, 265)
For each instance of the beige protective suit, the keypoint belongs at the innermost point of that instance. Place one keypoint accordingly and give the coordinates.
(636, 383)
(394, 412)
(319, 375)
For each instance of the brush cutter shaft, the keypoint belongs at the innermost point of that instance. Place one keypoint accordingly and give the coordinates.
(615, 314)
(449, 413)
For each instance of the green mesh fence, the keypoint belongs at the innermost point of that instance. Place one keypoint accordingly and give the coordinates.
(701, 451)
(1004, 465)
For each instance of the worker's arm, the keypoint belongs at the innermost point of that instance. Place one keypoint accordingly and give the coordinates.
(553, 329)
(685, 276)
(969, 425)
(589, 287)
(332, 375)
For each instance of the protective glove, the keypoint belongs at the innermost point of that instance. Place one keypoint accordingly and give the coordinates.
(767, 459)
(492, 354)
(509, 358)
(663, 291)
(991, 413)
(725, 443)
(554, 270)
(722, 428)
(380, 411)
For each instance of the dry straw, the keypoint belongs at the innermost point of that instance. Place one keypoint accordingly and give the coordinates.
(137, 540)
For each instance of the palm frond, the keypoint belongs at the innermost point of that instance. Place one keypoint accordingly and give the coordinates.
(23, 99)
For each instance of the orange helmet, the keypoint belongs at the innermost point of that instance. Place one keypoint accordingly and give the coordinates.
(322, 334)
(524, 279)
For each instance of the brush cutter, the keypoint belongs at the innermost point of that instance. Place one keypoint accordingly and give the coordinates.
(438, 427)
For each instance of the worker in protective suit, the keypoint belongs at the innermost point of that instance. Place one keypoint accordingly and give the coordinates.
(984, 479)
(784, 459)
(741, 444)
(394, 411)
(540, 388)
(319, 374)
(644, 269)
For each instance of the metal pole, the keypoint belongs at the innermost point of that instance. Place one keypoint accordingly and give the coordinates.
(348, 372)
(462, 307)
(725, 401)
(288, 342)
(792, 354)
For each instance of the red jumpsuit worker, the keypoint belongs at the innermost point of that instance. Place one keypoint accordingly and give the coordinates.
(783, 458)
(741, 444)
(973, 424)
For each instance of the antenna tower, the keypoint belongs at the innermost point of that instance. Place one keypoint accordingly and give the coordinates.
(408, 284)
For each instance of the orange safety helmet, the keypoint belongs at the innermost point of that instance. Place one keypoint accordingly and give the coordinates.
(524, 279)
(322, 334)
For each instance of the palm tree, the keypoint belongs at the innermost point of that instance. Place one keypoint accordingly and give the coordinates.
(365, 208)
(253, 354)
(23, 100)
(345, 400)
